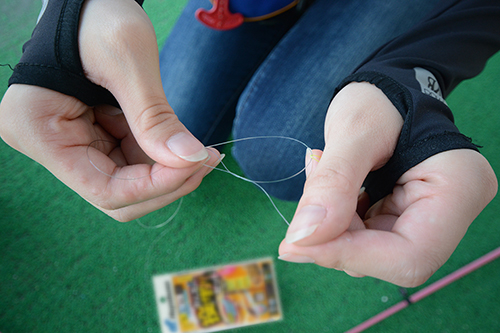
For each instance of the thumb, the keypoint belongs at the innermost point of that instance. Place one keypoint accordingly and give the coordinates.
(119, 51)
(361, 130)
(328, 206)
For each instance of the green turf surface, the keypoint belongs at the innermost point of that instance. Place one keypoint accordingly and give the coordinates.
(65, 267)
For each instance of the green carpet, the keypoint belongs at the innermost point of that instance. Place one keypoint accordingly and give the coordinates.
(65, 267)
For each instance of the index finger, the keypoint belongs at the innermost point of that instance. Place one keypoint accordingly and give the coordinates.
(114, 187)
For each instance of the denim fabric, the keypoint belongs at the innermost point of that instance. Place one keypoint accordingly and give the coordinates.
(274, 77)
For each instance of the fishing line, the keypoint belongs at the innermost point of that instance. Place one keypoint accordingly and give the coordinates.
(138, 220)
(224, 169)
(147, 263)
(256, 138)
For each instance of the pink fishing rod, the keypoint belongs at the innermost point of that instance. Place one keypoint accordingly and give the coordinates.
(428, 290)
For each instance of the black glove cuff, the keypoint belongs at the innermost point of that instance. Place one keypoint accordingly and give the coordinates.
(51, 58)
(428, 129)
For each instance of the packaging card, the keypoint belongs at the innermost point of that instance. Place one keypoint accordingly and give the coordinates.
(218, 298)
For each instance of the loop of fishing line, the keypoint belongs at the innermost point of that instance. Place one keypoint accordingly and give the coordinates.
(224, 169)
(256, 138)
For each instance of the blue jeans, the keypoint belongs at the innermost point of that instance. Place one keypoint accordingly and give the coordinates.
(274, 78)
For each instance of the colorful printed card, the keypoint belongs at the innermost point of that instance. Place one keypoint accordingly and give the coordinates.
(218, 298)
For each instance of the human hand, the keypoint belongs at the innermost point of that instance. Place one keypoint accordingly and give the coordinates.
(118, 50)
(405, 237)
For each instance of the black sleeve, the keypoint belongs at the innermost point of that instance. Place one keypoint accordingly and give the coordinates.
(418, 70)
(51, 58)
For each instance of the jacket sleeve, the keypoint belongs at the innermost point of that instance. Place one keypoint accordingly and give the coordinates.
(51, 58)
(418, 70)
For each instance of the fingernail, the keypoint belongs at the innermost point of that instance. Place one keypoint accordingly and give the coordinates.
(187, 147)
(308, 161)
(218, 158)
(112, 112)
(209, 167)
(290, 257)
(361, 191)
(305, 223)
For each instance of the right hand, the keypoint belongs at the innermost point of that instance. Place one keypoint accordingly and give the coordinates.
(118, 49)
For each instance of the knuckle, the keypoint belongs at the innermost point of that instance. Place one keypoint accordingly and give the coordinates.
(119, 213)
(101, 200)
(155, 115)
(7, 125)
(124, 38)
(332, 176)
(412, 278)
(120, 216)
(122, 23)
(490, 181)
(417, 268)
(123, 32)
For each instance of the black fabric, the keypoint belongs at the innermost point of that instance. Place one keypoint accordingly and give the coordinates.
(51, 58)
(452, 44)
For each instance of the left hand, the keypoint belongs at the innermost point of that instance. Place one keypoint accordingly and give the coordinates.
(405, 237)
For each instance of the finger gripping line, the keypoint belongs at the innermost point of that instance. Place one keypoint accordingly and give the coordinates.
(225, 169)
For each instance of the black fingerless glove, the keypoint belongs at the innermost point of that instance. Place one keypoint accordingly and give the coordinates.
(51, 58)
(417, 70)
